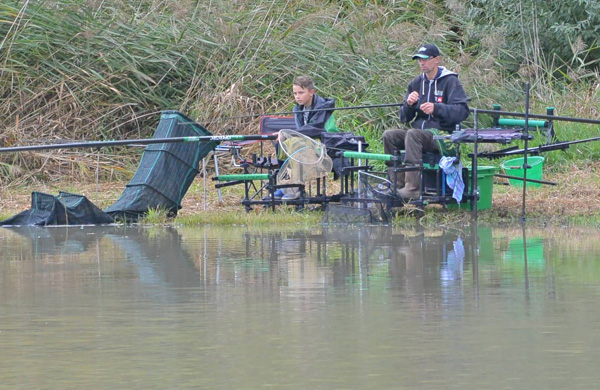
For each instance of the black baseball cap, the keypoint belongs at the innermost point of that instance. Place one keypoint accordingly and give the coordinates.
(426, 51)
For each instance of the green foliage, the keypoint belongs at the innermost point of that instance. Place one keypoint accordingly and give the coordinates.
(155, 216)
(102, 70)
(555, 37)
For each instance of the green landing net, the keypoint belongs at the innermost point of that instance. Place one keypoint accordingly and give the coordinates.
(305, 158)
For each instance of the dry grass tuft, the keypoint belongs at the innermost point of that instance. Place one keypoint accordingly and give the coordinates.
(576, 195)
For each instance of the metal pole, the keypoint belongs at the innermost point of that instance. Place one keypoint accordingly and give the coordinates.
(540, 116)
(474, 189)
(360, 204)
(216, 160)
(145, 141)
(204, 180)
(525, 154)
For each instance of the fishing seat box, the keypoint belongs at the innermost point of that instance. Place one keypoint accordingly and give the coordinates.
(433, 177)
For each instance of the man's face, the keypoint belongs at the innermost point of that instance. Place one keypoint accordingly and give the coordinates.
(303, 96)
(429, 64)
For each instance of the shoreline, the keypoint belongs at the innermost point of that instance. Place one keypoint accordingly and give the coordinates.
(575, 201)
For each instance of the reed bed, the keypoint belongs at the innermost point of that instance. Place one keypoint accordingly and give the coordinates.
(103, 70)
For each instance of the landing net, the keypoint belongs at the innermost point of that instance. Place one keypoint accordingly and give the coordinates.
(305, 158)
(368, 204)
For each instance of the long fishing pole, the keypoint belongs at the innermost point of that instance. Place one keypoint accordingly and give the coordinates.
(481, 111)
(536, 150)
(311, 110)
(539, 116)
(97, 144)
(145, 141)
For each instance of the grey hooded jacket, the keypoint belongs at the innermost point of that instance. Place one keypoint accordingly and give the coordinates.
(315, 124)
(449, 97)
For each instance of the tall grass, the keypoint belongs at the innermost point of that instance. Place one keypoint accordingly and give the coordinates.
(104, 69)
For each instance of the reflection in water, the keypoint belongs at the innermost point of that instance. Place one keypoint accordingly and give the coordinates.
(368, 307)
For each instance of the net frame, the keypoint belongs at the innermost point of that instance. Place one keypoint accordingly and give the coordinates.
(305, 158)
(370, 187)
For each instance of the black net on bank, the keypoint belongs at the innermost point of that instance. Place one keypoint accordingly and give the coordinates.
(166, 171)
(62, 209)
(163, 177)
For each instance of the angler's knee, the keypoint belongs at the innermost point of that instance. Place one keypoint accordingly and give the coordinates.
(388, 135)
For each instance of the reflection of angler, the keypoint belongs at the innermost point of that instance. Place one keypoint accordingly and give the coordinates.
(453, 268)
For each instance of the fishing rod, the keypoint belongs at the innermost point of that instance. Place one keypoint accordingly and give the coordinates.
(539, 116)
(311, 110)
(217, 138)
(146, 141)
(536, 150)
(551, 183)
(338, 108)
(481, 111)
(97, 144)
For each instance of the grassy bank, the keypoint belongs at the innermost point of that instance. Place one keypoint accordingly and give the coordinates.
(575, 201)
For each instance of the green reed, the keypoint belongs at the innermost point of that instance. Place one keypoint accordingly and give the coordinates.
(103, 70)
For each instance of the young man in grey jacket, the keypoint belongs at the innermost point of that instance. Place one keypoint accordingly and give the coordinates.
(308, 122)
(435, 100)
(313, 115)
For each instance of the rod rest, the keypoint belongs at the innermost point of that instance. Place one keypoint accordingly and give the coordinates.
(521, 123)
(265, 162)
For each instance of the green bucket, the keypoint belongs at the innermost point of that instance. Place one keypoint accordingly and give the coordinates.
(515, 168)
(485, 185)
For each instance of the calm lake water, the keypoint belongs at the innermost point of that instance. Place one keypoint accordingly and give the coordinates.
(332, 308)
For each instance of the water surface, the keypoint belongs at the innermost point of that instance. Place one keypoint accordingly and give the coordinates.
(333, 308)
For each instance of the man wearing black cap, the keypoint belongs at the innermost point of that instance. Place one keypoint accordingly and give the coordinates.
(435, 100)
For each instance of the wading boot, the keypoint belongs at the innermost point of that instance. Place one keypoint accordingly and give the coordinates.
(412, 187)
(396, 183)
(396, 178)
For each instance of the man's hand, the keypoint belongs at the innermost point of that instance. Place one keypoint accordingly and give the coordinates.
(413, 98)
(427, 108)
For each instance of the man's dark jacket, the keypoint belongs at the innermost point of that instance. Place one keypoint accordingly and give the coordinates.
(448, 95)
